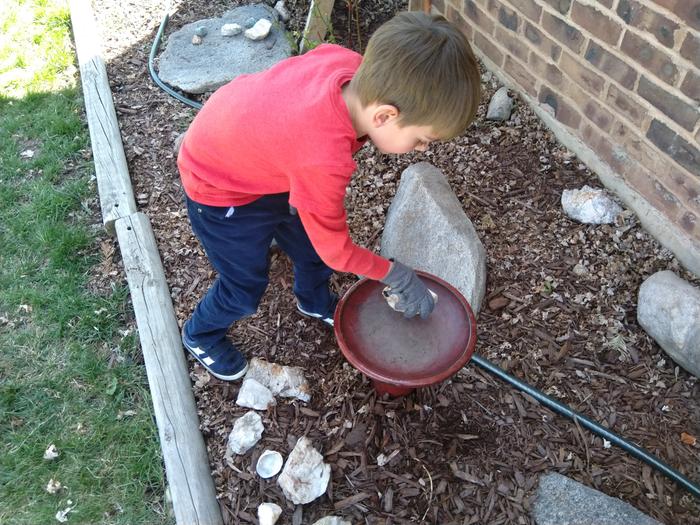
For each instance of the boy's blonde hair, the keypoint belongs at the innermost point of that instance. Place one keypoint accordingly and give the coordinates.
(423, 65)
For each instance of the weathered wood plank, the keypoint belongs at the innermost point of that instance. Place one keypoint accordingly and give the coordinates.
(317, 24)
(113, 183)
(184, 452)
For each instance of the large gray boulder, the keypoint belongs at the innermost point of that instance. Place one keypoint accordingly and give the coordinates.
(427, 229)
(563, 501)
(219, 59)
(668, 308)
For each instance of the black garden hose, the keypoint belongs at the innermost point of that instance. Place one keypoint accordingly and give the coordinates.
(594, 427)
(547, 401)
(170, 91)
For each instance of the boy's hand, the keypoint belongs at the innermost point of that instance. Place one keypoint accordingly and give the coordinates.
(414, 296)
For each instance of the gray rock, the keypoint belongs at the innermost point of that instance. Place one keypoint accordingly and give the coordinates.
(500, 106)
(563, 501)
(201, 31)
(254, 395)
(219, 59)
(305, 476)
(590, 206)
(247, 431)
(282, 10)
(668, 308)
(249, 22)
(427, 229)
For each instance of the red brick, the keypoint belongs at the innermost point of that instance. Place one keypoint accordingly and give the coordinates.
(637, 15)
(691, 85)
(597, 114)
(560, 5)
(563, 32)
(683, 152)
(596, 22)
(606, 3)
(521, 75)
(506, 17)
(687, 10)
(671, 105)
(478, 17)
(563, 111)
(691, 49)
(546, 70)
(623, 101)
(437, 4)
(650, 56)
(456, 18)
(654, 192)
(488, 48)
(529, 8)
(581, 75)
(611, 65)
(512, 43)
(545, 44)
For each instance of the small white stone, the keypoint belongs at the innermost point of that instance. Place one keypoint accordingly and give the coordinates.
(269, 513)
(231, 29)
(247, 431)
(332, 520)
(196, 40)
(260, 30)
(51, 452)
(254, 395)
(285, 381)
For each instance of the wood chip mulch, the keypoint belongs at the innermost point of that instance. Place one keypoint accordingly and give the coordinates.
(559, 313)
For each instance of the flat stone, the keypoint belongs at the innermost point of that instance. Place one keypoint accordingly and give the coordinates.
(218, 59)
(668, 308)
(563, 501)
(427, 229)
(260, 30)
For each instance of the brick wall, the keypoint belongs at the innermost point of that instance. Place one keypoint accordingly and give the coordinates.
(621, 77)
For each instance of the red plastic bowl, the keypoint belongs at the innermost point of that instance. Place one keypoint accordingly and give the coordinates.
(401, 354)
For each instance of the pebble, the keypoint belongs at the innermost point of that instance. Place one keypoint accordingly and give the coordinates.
(231, 29)
(196, 40)
(250, 22)
(201, 31)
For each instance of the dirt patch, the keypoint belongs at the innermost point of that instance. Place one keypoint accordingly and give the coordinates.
(560, 313)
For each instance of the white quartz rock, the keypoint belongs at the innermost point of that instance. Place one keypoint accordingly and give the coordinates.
(285, 381)
(332, 520)
(260, 30)
(305, 476)
(589, 206)
(254, 395)
(247, 431)
(231, 29)
(269, 513)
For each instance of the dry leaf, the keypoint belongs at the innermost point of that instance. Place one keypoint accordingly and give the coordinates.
(53, 486)
(51, 452)
(688, 439)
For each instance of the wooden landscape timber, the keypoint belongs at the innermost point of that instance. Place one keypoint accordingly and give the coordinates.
(318, 24)
(184, 452)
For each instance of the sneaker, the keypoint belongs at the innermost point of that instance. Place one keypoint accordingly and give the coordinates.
(223, 360)
(326, 317)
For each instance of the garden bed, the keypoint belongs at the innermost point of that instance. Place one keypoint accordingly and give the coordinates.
(559, 313)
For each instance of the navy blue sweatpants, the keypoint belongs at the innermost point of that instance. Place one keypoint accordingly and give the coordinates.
(237, 243)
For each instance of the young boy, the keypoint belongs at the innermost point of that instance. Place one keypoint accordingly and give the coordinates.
(270, 156)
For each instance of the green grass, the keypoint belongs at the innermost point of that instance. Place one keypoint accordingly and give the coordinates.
(70, 370)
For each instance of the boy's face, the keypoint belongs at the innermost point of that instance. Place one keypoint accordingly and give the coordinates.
(389, 137)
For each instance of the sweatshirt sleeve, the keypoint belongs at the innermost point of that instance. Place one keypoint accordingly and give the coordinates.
(330, 236)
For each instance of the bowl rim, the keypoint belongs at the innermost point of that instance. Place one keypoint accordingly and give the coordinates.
(425, 381)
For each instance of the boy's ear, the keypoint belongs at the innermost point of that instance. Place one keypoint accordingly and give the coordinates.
(383, 114)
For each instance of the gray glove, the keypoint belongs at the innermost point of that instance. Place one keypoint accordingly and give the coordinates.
(414, 297)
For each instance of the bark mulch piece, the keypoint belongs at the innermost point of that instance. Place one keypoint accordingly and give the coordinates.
(560, 313)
